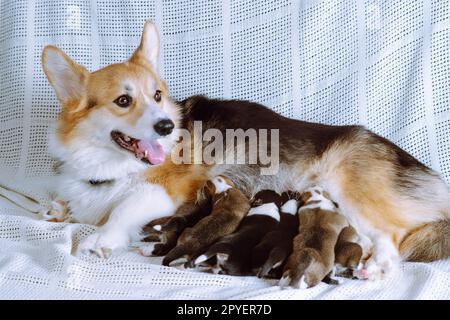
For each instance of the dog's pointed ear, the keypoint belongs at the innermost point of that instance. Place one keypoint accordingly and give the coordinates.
(66, 76)
(148, 50)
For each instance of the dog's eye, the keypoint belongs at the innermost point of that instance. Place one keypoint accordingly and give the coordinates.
(123, 101)
(157, 96)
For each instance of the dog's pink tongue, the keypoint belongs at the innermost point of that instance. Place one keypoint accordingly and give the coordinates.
(154, 151)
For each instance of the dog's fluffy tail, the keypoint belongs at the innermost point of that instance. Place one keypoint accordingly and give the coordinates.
(427, 243)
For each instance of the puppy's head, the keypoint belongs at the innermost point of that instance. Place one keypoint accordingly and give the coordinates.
(220, 184)
(315, 195)
(123, 109)
(214, 186)
(266, 196)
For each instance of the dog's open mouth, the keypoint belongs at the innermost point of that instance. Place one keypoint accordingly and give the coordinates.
(149, 151)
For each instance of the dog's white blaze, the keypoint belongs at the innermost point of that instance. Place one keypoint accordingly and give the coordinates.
(290, 207)
(220, 184)
(267, 209)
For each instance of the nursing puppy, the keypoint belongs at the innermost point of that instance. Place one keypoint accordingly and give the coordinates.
(320, 225)
(186, 216)
(234, 252)
(118, 124)
(348, 254)
(276, 245)
(229, 207)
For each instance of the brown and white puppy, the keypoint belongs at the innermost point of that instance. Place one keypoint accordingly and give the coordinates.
(348, 254)
(234, 252)
(276, 245)
(186, 216)
(320, 225)
(229, 207)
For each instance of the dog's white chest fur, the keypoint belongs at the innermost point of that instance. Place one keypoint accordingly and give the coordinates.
(92, 203)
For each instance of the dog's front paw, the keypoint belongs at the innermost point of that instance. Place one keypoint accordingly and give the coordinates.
(378, 269)
(102, 244)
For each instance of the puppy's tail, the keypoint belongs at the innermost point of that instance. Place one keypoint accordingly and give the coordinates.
(276, 258)
(174, 254)
(428, 242)
(222, 248)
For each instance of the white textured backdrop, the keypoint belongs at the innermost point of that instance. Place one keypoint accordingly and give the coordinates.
(381, 63)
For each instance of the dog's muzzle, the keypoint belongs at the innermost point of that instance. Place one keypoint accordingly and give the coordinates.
(164, 127)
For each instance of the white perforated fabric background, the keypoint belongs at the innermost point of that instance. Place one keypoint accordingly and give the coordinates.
(381, 63)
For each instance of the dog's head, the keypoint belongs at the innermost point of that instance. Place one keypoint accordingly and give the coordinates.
(266, 196)
(123, 110)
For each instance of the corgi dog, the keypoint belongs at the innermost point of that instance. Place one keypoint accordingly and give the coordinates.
(118, 125)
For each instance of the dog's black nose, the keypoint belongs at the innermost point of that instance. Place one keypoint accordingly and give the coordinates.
(164, 127)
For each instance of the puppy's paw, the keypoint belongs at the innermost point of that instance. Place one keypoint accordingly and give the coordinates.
(285, 280)
(161, 249)
(102, 244)
(302, 284)
(58, 211)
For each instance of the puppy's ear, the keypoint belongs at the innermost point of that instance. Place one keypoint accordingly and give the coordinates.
(66, 76)
(148, 50)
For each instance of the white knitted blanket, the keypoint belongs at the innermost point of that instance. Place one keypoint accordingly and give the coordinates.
(381, 63)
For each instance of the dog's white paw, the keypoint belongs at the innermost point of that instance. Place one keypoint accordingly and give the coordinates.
(146, 250)
(375, 270)
(102, 244)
